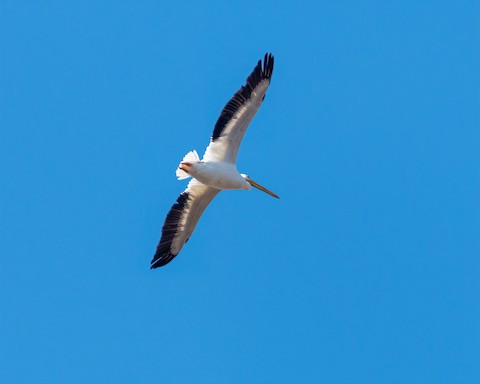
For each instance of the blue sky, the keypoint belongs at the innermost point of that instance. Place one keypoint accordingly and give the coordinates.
(365, 271)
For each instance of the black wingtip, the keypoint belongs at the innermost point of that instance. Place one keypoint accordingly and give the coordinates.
(161, 260)
(268, 62)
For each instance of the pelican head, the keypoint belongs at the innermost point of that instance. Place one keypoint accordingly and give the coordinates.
(258, 186)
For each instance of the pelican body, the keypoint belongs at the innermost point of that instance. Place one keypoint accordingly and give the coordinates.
(220, 175)
(217, 170)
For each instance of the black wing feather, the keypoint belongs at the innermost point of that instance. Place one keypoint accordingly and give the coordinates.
(163, 254)
(243, 94)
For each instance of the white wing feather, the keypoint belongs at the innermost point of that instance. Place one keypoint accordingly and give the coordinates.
(225, 148)
(238, 113)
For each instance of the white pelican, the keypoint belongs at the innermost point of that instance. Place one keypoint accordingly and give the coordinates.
(217, 170)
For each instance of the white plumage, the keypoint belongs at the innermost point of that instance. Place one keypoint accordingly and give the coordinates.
(217, 170)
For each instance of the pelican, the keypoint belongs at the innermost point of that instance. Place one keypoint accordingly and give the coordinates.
(217, 170)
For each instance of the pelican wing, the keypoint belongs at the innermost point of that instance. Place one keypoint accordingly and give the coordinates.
(182, 220)
(238, 113)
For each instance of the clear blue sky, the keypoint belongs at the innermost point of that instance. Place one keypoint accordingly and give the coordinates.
(367, 269)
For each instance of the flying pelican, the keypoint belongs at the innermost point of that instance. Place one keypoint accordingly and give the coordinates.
(217, 170)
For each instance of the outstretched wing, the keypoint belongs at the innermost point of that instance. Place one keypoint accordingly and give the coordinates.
(182, 220)
(238, 113)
